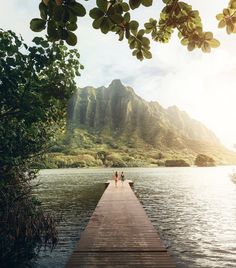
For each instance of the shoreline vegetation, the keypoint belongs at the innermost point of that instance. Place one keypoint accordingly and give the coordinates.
(105, 159)
(81, 149)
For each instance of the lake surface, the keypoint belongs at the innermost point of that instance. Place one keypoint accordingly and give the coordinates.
(193, 209)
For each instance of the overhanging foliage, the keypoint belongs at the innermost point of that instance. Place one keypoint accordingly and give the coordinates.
(60, 18)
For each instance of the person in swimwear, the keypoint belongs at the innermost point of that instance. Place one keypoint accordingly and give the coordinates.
(122, 177)
(116, 178)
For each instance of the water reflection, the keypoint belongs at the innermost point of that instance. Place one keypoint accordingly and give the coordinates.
(193, 209)
(72, 198)
(195, 212)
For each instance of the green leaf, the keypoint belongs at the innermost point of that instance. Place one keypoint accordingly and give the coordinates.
(180, 35)
(222, 24)
(133, 25)
(105, 25)
(102, 4)
(125, 7)
(206, 47)
(51, 7)
(208, 35)
(147, 54)
(45, 44)
(177, 10)
(37, 40)
(191, 46)
(226, 12)
(145, 41)
(121, 35)
(116, 18)
(134, 3)
(233, 4)
(72, 18)
(64, 34)
(43, 11)
(118, 9)
(52, 31)
(96, 13)
(219, 16)
(37, 25)
(149, 31)
(78, 9)
(71, 39)
(184, 41)
(97, 23)
(148, 25)
(134, 53)
(132, 44)
(234, 20)
(139, 55)
(147, 3)
(72, 26)
(127, 33)
(214, 43)
(229, 27)
(127, 17)
(140, 33)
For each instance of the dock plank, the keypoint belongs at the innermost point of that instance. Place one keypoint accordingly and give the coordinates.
(120, 234)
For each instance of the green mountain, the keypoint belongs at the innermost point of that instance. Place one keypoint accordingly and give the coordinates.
(118, 112)
(114, 126)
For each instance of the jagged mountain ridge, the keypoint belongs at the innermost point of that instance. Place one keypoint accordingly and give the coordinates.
(117, 111)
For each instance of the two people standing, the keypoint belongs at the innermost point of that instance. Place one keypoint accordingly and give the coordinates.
(122, 177)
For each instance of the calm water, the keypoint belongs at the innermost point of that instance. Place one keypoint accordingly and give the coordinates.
(193, 209)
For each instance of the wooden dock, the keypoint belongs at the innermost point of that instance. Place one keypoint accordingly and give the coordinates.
(119, 234)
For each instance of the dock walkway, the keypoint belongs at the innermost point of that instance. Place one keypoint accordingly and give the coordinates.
(119, 234)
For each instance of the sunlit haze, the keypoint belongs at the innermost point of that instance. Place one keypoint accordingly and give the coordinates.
(204, 85)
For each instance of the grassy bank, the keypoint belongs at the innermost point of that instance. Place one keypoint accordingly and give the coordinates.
(108, 158)
(83, 149)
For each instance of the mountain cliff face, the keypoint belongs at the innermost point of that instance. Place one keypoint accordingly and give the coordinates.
(118, 112)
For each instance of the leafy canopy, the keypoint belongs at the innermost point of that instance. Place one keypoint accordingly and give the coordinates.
(59, 18)
(35, 84)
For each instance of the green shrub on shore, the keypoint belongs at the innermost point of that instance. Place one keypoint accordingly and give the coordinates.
(203, 160)
(176, 163)
(59, 160)
(96, 159)
(115, 160)
(24, 227)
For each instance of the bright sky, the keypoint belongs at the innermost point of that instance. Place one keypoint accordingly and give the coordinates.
(204, 85)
